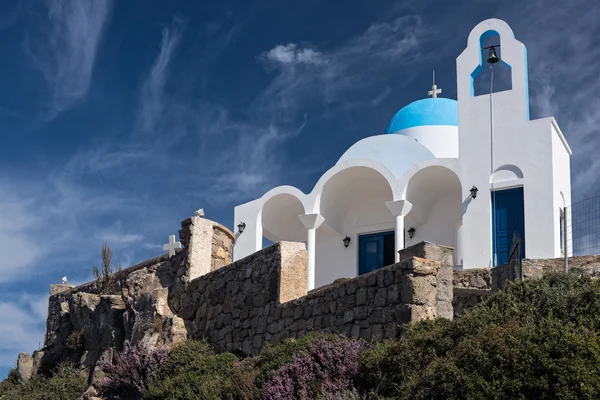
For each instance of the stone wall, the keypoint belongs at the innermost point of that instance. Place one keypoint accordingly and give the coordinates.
(429, 251)
(222, 247)
(535, 268)
(472, 286)
(243, 306)
(237, 307)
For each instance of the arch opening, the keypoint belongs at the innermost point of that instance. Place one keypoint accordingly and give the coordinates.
(436, 215)
(352, 203)
(481, 76)
(280, 219)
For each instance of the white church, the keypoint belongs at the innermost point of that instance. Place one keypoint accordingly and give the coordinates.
(464, 173)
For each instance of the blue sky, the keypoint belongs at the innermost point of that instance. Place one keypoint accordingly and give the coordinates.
(118, 119)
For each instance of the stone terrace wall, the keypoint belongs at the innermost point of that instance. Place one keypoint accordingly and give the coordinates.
(474, 285)
(242, 307)
(535, 268)
(429, 251)
(471, 287)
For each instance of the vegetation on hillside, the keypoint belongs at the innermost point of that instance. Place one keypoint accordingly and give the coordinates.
(106, 275)
(535, 340)
(66, 383)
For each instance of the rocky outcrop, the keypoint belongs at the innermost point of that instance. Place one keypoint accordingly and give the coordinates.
(85, 326)
(25, 367)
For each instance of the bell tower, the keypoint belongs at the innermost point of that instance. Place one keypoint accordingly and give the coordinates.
(511, 160)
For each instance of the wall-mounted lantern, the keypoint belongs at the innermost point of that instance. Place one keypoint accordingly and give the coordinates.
(411, 232)
(474, 191)
(347, 241)
(241, 227)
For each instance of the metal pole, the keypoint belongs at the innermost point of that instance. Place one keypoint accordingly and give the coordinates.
(519, 258)
(565, 241)
(493, 192)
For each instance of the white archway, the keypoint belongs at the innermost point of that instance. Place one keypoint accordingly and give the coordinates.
(352, 202)
(436, 215)
(279, 218)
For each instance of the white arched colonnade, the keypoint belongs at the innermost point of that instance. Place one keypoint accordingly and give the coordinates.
(353, 198)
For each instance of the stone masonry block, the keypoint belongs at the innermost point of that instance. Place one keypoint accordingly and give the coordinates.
(429, 251)
(419, 290)
(293, 272)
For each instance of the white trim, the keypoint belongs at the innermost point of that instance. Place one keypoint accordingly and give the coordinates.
(513, 183)
(561, 136)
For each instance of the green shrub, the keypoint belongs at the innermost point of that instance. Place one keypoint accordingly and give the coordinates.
(8, 384)
(536, 340)
(193, 370)
(64, 384)
(75, 340)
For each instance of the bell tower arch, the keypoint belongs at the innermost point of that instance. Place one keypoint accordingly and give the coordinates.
(514, 54)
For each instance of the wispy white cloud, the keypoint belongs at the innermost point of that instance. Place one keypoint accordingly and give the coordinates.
(239, 156)
(291, 54)
(152, 93)
(17, 221)
(345, 73)
(64, 48)
(564, 82)
(121, 239)
(21, 328)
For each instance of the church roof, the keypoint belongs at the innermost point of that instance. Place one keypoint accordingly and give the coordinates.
(398, 153)
(425, 112)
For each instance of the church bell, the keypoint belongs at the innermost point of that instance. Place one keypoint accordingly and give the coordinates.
(492, 57)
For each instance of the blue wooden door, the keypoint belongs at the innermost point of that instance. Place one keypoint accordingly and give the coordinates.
(508, 217)
(374, 251)
(370, 253)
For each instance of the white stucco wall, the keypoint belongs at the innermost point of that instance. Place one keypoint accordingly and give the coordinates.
(517, 141)
(561, 168)
(441, 226)
(442, 141)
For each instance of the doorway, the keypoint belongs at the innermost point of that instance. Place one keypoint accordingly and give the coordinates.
(508, 217)
(375, 251)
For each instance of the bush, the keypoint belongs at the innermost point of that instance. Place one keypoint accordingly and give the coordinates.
(132, 372)
(193, 370)
(8, 384)
(65, 384)
(75, 340)
(325, 370)
(272, 357)
(536, 340)
(106, 276)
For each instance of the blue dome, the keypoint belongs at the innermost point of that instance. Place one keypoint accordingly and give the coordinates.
(425, 112)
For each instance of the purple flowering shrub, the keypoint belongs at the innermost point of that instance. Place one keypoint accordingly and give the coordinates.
(131, 373)
(325, 370)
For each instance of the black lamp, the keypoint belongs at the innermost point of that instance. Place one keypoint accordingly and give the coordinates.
(474, 191)
(411, 232)
(241, 227)
(347, 241)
